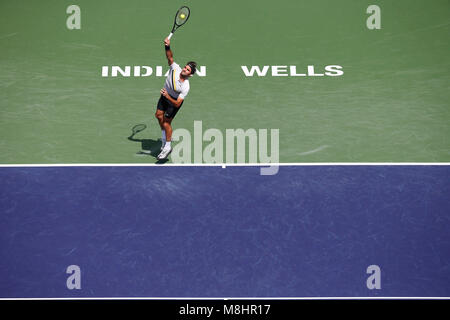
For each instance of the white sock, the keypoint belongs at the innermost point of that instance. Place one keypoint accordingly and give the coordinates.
(167, 146)
(163, 135)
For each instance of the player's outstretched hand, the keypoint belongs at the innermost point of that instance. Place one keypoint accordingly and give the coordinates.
(167, 42)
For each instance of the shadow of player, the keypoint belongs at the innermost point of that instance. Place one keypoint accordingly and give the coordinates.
(149, 147)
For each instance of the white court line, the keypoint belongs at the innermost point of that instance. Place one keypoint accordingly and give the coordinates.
(225, 164)
(236, 298)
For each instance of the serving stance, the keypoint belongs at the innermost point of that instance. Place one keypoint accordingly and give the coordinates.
(173, 94)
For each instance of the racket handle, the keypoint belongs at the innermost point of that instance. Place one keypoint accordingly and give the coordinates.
(170, 36)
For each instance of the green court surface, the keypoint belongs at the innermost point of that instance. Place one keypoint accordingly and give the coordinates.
(391, 104)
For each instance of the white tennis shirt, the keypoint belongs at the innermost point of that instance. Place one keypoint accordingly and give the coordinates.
(173, 85)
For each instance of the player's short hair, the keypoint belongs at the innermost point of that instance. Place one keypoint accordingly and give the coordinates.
(193, 66)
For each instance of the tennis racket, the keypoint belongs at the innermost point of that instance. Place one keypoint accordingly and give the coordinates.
(180, 19)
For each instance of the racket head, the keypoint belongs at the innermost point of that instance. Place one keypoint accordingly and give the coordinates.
(181, 17)
(138, 128)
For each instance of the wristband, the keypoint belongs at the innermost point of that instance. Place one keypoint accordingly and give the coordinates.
(167, 47)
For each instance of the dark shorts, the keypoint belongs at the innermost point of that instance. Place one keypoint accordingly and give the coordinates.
(169, 109)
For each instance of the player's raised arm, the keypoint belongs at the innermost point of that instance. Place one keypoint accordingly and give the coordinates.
(169, 54)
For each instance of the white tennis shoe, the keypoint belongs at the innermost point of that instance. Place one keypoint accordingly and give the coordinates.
(164, 153)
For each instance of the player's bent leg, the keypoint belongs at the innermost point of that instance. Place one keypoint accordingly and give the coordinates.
(168, 147)
(159, 114)
(167, 125)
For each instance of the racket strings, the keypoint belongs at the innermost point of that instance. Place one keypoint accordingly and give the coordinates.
(182, 16)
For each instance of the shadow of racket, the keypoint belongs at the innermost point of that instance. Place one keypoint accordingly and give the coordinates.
(136, 129)
(149, 147)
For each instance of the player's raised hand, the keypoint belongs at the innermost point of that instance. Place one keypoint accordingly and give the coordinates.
(167, 42)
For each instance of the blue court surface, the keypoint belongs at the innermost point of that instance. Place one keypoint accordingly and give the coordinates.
(308, 231)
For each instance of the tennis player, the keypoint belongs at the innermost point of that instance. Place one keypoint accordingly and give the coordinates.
(173, 94)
